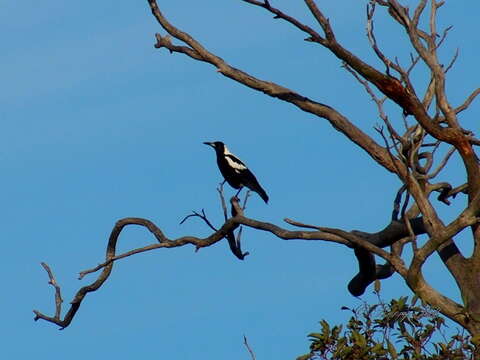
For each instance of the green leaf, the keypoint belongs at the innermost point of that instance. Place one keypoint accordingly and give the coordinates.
(359, 339)
(325, 326)
(377, 348)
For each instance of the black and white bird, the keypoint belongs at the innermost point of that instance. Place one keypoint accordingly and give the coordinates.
(235, 171)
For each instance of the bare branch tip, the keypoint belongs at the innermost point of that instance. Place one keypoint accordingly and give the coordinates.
(37, 315)
(163, 41)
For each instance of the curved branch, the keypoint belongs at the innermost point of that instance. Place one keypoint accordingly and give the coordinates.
(107, 266)
(365, 246)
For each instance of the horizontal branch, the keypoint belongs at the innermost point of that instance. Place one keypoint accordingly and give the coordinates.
(363, 243)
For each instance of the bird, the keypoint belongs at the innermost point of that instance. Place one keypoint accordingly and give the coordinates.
(235, 172)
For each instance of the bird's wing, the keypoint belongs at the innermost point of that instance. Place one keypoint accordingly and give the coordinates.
(250, 181)
(235, 163)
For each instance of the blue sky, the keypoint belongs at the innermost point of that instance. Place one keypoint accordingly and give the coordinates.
(98, 125)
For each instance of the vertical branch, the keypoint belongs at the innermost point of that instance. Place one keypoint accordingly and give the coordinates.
(396, 203)
(244, 206)
(222, 200)
(58, 294)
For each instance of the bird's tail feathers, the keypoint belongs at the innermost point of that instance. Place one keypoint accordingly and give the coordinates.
(263, 195)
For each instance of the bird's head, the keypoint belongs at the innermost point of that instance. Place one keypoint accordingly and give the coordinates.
(217, 145)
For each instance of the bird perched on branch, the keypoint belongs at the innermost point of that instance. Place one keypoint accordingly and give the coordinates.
(235, 171)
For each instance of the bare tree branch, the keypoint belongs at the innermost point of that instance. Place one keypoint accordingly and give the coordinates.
(373, 42)
(452, 62)
(442, 164)
(371, 243)
(202, 216)
(58, 294)
(468, 101)
(313, 35)
(250, 351)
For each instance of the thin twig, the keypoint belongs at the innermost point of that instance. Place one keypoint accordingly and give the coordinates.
(444, 36)
(414, 62)
(452, 62)
(442, 164)
(373, 42)
(245, 342)
(468, 101)
(380, 131)
(313, 35)
(202, 216)
(379, 102)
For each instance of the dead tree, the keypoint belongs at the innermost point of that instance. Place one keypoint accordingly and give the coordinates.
(415, 146)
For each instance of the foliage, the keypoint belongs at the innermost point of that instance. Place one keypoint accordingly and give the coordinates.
(400, 329)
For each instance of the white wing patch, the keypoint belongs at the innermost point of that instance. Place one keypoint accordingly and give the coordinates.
(234, 162)
(237, 166)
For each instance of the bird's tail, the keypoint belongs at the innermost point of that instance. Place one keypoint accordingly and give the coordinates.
(262, 194)
(251, 182)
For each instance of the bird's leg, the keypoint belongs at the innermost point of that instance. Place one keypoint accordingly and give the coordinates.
(238, 192)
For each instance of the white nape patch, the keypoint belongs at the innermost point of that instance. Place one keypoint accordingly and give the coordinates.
(226, 151)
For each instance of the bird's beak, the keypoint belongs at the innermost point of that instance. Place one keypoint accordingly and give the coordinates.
(209, 143)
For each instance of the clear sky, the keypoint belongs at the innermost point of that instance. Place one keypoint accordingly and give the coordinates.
(98, 125)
